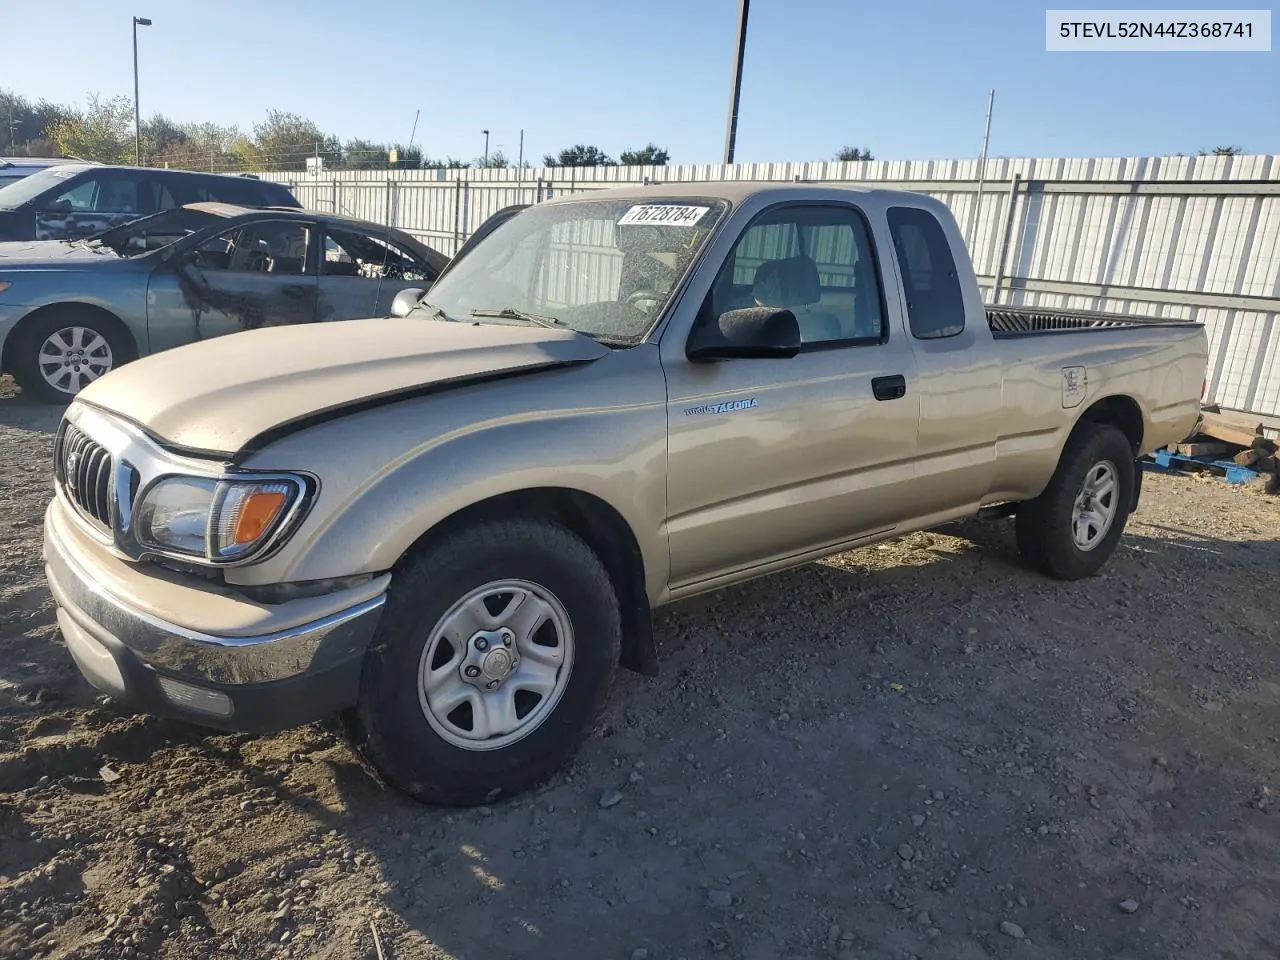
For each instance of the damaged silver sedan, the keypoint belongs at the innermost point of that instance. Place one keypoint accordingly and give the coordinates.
(70, 311)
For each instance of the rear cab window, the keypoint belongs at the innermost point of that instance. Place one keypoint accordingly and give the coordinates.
(935, 304)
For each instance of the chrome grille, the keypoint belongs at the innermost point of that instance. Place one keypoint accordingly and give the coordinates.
(84, 471)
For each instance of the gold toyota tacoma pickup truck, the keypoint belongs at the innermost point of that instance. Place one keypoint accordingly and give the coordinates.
(451, 525)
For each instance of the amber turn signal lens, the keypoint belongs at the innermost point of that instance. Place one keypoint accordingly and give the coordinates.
(258, 512)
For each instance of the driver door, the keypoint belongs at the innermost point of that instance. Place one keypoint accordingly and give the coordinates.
(773, 459)
(259, 274)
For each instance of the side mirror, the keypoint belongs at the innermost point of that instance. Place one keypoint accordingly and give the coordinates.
(749, 333)
(406, 300)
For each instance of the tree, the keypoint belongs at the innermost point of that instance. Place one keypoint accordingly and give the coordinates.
(448, 163)
(102, 132)
(24, 125)
(647, 156)
(853, 153)
(407, 158)
(365, 155)
(495, 161)
(162, 133)
(1222, 151)
(579, 155)
(284, 141)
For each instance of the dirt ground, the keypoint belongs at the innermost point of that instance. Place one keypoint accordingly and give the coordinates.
(917, 750)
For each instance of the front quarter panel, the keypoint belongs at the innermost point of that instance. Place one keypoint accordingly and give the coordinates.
(121, 291)
(389, 474)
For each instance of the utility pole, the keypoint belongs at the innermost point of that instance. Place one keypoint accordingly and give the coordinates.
(486, 147)
(731, 133)
(520, 158)
(137, 115)
(982, 169)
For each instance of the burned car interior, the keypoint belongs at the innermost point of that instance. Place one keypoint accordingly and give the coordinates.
(350, 254)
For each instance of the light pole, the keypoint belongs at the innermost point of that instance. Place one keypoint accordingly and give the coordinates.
(486, 147)
(137, 121)
(731, 133)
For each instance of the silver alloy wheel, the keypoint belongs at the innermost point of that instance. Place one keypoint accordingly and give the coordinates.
(495, 665)
(1095, 505)
(73, 357)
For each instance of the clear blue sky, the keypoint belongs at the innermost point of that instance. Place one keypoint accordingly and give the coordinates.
(907, 78)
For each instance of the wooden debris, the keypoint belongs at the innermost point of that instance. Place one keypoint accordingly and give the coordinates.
(1248, 456)
(1204, 448)
(1239, 432)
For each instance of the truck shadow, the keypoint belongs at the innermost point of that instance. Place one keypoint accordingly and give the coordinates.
(803, 721)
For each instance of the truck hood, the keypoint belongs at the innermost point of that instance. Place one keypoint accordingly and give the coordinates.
(232, 395)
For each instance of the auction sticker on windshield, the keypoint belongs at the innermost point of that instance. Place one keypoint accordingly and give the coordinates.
(668, 214)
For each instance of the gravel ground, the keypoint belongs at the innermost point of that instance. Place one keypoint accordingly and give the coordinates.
(916, 750)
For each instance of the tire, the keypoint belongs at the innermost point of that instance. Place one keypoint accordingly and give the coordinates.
(90, 341)
(1046, 526)
(423, 749)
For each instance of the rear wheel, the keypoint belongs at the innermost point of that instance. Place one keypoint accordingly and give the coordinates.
(1072, 528)
(64, 349)
(492, 660)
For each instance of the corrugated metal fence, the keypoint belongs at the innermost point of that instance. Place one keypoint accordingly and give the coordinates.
(1189, 237)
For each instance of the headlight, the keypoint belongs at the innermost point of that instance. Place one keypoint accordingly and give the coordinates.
(216, 520)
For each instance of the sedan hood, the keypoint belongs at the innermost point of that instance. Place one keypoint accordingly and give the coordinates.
(229, 395)
(51, 254)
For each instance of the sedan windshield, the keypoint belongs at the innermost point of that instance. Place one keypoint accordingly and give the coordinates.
(605, 268)
(156, 231)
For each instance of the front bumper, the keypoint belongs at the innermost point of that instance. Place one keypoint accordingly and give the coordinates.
(255, 682)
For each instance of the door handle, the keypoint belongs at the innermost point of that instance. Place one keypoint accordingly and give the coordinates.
(889, 388)
(295, 291)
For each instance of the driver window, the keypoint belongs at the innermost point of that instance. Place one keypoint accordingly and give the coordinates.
(816, 262)
(275, 248)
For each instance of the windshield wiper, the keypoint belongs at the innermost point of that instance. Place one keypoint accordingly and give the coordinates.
(511, 313)
(437, 313)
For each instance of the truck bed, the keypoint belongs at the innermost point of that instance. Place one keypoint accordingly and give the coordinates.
(1006, 322)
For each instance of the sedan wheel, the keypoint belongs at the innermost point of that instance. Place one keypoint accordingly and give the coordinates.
(73, 357)
(61, 349)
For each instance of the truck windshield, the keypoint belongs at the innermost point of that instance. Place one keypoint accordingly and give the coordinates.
(605, 268)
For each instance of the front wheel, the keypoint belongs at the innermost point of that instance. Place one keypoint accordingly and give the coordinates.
(492, 661)
(59, 353)
(1072, 528)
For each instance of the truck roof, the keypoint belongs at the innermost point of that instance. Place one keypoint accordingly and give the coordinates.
(733, 191)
